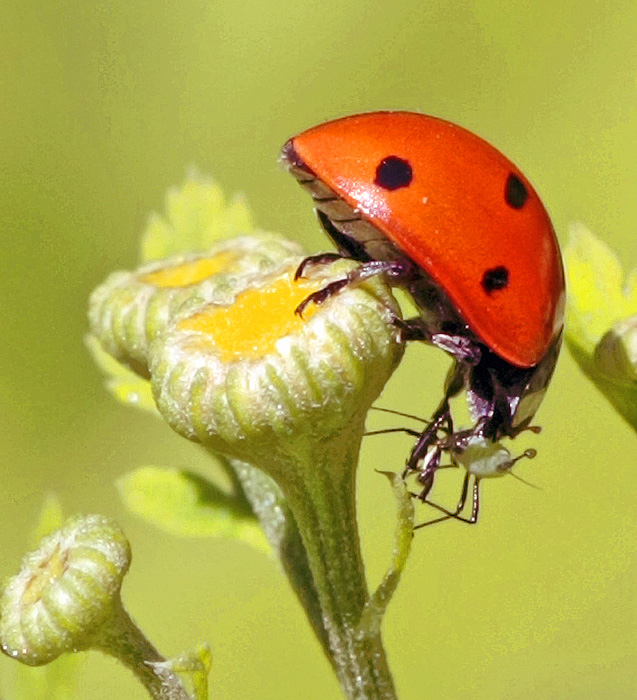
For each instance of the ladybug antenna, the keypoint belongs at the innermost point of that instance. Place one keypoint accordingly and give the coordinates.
(524, 481)
(530, 454)
(400, 413)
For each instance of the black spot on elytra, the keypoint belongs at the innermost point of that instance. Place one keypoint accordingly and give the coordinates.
(515, 192)
(495, 278)
(393, 172)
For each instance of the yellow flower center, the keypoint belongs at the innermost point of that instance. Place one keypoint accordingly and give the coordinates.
(190, 272)
(251, 327)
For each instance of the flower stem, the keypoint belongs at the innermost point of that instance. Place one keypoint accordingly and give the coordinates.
(321, 495)
(127, 643)
(281, 530)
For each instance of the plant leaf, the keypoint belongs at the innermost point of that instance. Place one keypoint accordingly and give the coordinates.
(185, 504)
(376, 606)
(51, 518)
(195, 665)
(124, 384)
(57, 679)
(197, 216)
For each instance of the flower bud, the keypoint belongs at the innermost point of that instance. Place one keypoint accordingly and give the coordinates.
(616, 353)
(65, 590)
(130, 309)
(253, 379)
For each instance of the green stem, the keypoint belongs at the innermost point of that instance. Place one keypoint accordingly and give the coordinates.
(281, 530)
(320, 489)
(127, 643)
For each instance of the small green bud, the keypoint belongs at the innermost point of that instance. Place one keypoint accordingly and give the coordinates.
(616, 353)
(65, 590)
(130, 309)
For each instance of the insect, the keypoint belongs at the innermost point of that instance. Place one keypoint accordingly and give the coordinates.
(444, 215)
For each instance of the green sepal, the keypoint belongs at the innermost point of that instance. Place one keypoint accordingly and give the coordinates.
(197, 217)
(121, 382)
(193, 666)
(598, 299)
(188, 505)
(374, 610)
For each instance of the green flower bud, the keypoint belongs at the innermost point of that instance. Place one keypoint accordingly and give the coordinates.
(254, 380)
(130, 309)
(65, 590)
(616, 353)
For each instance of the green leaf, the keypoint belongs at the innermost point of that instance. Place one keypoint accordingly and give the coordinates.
(594, 279)
(124, 384)
(197, 216)
(194, 665)
(57, 679)
(376, 606)
(600, 326)
(185, 504)
(51, 518)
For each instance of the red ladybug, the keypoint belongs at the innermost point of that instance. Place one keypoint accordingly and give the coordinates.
(444, 215)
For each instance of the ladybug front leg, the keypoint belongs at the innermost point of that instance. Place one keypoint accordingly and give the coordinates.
(320, 259)
(395, 272)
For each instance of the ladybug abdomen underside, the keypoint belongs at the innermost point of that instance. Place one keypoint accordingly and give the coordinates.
(460, 210)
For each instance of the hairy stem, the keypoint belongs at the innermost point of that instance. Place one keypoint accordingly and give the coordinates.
(127, 643)
(320, 490)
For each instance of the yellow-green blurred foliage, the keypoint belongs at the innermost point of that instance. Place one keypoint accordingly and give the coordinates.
(104, 105)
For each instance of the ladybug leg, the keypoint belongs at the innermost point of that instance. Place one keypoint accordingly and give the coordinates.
(392, 270)
(427, 439)
(320, 259)
(412, 329)
(455, 514)
(385, 431)
(462, 349)
(322, 295)
(441, 420)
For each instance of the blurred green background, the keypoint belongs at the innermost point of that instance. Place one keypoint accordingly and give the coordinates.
(104, 106)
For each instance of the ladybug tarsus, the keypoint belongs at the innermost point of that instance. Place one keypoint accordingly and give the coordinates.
(320, 259)
(392, 270)
(411, 329)
(322, 295)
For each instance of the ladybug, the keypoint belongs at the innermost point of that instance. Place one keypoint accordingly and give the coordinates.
(444, 215)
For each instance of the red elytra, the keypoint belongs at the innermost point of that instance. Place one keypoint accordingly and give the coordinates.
(445, 215)
(452, 220)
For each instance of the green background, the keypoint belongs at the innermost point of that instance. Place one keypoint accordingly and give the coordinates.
(104, 105)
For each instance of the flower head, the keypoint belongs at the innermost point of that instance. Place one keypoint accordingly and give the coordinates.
(241, 377)
(130, 309)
